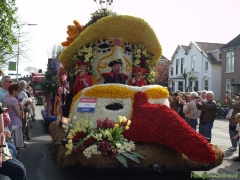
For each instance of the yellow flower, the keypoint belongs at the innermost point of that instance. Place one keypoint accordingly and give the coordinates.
(116, 125)
(126, 127)
(128, 123)
(124, 119)
(120, 121)
(139, 51)
(144, 51)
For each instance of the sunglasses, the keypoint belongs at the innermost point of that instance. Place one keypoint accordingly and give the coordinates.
(8, 81)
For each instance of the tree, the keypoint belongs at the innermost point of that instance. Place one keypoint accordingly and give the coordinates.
(188, 76)
(31, 69)
(7, 23)
(162, 74)
(56, 51)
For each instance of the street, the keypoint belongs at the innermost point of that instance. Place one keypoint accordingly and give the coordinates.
(41, 166)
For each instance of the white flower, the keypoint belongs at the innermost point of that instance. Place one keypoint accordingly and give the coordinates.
(119, 145)
(74, 118)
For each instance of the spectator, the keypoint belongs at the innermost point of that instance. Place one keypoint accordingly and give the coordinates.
(235, 105)
(237, 116)
(209, 115)
(24, 102)
(6, 81)
(191, 112)
(9, 166)
(32, 105)
(203, 94)
(15, 115)
(182, 99)
(173, 102)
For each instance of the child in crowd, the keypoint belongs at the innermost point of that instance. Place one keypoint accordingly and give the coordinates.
(237, 116)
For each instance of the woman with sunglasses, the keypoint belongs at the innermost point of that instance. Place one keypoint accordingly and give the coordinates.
(15, 115)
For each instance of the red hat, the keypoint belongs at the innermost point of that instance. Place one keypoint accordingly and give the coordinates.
(80, 63)
(143, 70)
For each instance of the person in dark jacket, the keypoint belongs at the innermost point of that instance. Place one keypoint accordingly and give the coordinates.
(115, 76)
(210, 109)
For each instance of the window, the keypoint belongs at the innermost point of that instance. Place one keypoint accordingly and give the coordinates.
(206, 85)
(161, 62)
(194, 58)
(230, 62)
(182, 62)
(173, 86)
(171, 71)
(229, 83)
(180, 85)
(196, 86)
(177, 63)
(220, 55)
(206, 66)
(190, 89)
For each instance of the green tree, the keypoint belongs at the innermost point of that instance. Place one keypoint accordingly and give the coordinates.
(8, 21)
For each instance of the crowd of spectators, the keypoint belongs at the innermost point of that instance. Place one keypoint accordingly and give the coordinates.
(16, 102)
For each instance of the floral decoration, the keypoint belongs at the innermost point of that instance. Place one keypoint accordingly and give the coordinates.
(106, 139)
(85, 54)
(73, 32)
(164, 126)
(50, 82)
(109, 27)
(122, 94)
(142, 58)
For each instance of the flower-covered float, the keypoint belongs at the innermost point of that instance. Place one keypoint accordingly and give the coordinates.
(129, 125)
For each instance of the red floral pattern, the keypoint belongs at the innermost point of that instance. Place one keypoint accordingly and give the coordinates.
(157, 123)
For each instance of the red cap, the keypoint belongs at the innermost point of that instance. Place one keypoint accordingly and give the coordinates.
(143, 70)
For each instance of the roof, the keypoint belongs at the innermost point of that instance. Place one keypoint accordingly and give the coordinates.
(163, 57)
(233, 43)
(184, 47)
(205, 46)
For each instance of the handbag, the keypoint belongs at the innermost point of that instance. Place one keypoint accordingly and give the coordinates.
(6, 117)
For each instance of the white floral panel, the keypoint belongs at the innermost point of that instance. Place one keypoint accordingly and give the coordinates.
(102, 112)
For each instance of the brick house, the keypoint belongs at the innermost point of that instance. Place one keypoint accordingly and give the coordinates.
(162, 68)
(231, 66)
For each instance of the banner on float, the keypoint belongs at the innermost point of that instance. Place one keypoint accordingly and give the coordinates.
(87, 105)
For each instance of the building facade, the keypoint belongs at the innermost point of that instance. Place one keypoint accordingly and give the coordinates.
(231, 66)
(200, 63)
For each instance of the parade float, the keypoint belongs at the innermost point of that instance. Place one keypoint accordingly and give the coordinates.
(118, 124)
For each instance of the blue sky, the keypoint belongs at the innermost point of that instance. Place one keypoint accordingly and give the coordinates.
(174, 21)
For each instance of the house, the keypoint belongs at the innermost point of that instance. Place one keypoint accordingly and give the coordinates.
(197, 67)
(231, 66)
(162, 69)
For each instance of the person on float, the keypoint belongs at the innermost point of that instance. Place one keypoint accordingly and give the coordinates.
(63, 89)
(138, 79)
(82, 80)
(115, 76)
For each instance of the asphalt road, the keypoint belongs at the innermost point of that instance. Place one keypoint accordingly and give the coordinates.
(41, 166)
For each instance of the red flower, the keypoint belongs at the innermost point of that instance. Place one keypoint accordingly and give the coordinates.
(157, 123)
(89, 142)
(79, 149)
(105, 123)
(78, 136)
(74, 151)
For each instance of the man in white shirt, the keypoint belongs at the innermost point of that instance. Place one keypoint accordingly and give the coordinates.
(6, 81)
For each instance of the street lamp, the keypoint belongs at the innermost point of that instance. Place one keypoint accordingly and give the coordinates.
(18, 51)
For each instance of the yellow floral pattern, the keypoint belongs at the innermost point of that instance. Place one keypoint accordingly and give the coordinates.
(109, 27)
